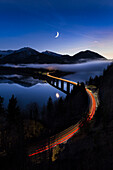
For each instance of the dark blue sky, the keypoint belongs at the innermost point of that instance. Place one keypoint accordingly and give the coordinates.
(82, 24)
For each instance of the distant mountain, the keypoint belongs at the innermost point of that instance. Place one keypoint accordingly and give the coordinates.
(87, 55)
(4, 53)
(52, 53)
(28, 55)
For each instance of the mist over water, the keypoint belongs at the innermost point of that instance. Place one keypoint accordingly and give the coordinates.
(81, 71)
(84, 71)
(95, 65)
(40, 92)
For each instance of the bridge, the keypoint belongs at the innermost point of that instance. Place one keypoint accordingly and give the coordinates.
(60, 84)
(66, 134)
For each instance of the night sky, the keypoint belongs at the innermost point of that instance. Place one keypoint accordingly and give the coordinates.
(82, 24)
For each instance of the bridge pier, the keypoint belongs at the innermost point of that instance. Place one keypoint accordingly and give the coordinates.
(52, 81)
(62, 85)
(68, 87)
(57, 83)
(48, 79)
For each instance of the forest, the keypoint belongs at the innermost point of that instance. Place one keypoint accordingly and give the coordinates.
(20, 129)
(92, 148)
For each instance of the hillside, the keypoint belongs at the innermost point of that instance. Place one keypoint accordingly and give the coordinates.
(92, 148)
(28, 55)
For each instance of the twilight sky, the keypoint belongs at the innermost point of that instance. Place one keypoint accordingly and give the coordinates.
(82, 24)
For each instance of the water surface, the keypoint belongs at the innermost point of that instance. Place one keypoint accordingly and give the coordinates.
(28, 89)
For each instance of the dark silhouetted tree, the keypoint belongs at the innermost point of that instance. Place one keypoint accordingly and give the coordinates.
(90, 81)
(43, 113)
(83, 86)
(1, 105)
(13, 109)
(33, 111)
(49, 105)
(50, 110)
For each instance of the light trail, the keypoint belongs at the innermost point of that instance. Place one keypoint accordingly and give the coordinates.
(69, 132)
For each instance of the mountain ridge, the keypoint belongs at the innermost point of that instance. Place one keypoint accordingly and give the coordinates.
(28, 55)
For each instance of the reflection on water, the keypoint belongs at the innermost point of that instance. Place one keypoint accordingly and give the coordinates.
(28, 89)
(38, 93)
(25, 81)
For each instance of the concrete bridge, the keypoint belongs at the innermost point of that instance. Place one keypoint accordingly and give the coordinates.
(61, 84)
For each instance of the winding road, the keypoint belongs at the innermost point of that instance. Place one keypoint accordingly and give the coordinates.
(69, 132)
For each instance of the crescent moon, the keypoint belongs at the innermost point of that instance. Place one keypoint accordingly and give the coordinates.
(57, 35)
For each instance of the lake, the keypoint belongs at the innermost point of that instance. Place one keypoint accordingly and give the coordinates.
(29, 90)
(38, 93)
